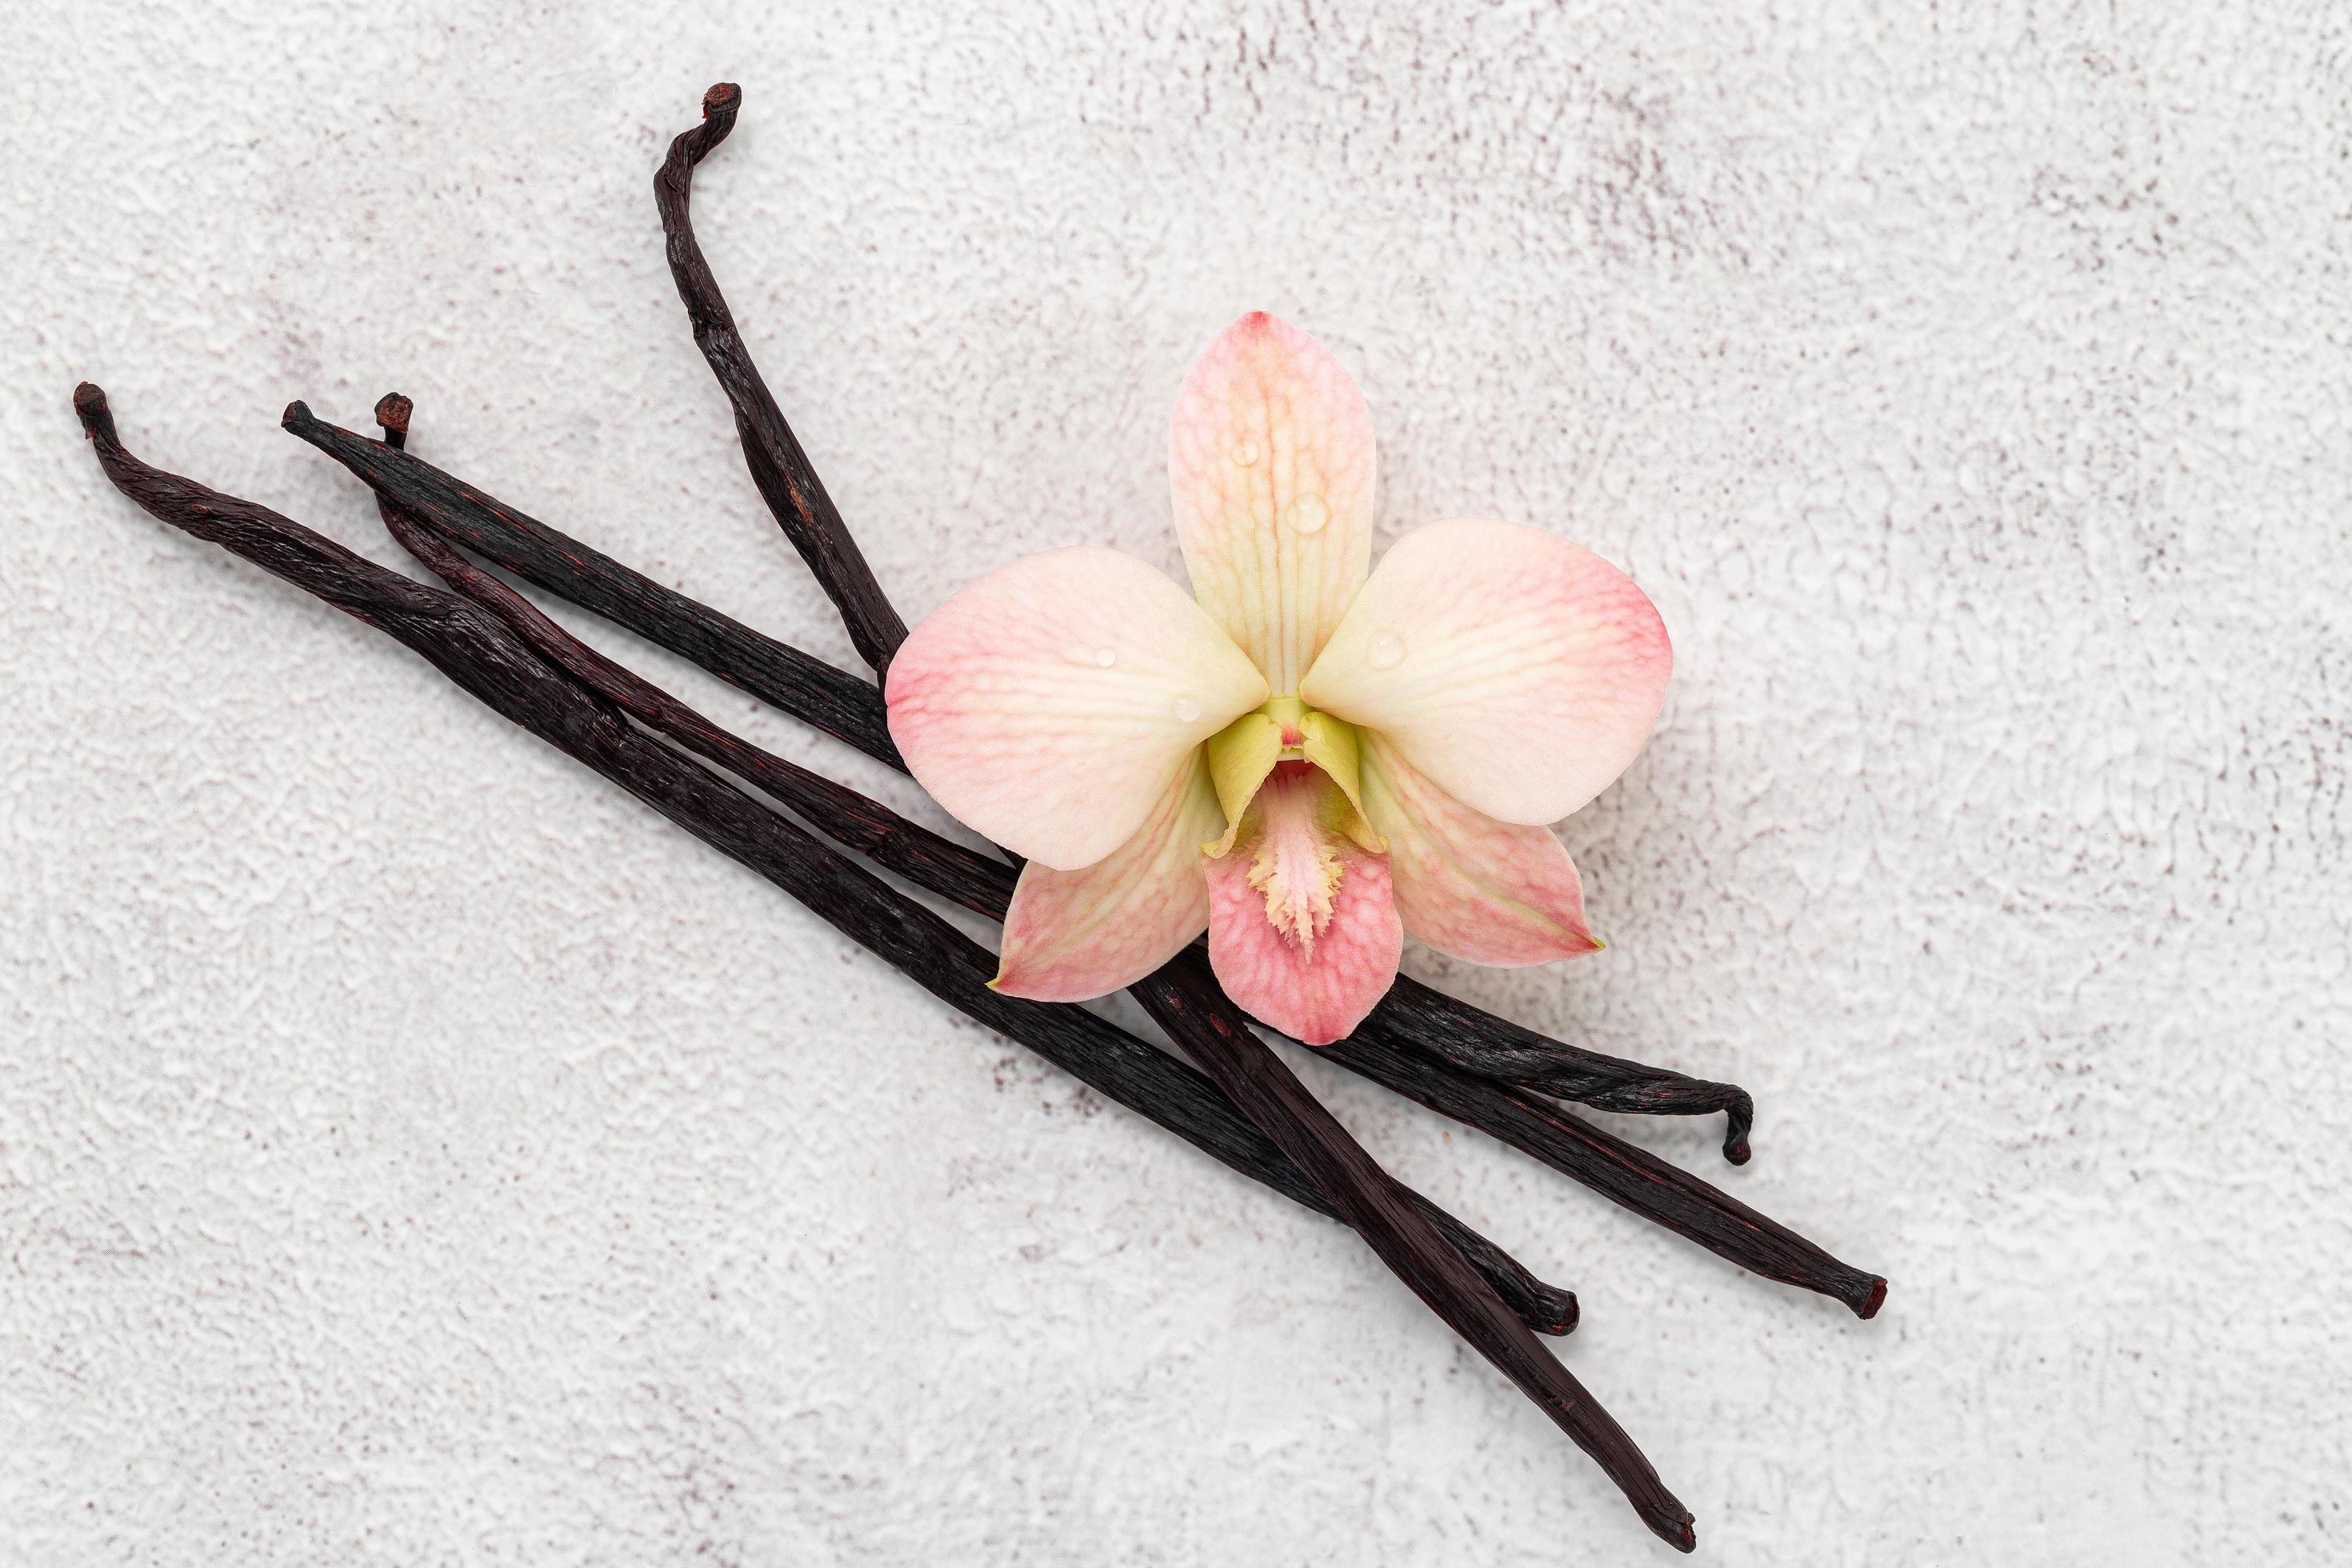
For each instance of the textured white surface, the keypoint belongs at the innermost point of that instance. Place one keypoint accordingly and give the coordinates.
(411, 1151)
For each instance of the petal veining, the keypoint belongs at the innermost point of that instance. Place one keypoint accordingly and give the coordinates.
(1491, 892)
(1303, 927)
(1051, 704)
(1271, 461)
(1072, 935)
(1520, 672)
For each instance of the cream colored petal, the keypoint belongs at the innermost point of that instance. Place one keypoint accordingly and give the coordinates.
(1520, 672)
(1271, 458)
(1051, 704)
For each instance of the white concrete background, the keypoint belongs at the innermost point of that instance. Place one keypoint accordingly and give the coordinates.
(412, 1153)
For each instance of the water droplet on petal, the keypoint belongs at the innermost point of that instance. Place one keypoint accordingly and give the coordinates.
(1105, 658)
(1245, 453)
(1387, 650)
(1308, 513)
(1187, 710)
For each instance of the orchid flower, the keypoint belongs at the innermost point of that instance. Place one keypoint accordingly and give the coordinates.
(1309, 759)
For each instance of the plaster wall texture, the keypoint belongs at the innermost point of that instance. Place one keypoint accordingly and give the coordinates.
(412, 1151)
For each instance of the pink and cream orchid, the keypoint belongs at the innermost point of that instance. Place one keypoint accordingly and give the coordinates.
(1308, 758)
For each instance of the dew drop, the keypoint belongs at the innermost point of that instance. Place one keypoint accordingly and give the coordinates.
(1105, 658)
(1308, 513)
(1245, 453)
(1187, 710)
(1387, 650)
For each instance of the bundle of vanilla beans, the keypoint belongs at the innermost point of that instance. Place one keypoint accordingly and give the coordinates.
(1242, 1106)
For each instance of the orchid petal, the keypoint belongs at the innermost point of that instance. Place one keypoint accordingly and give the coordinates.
(1491, 892)
(1073, 935)
(1271, 458)
(1050, 704)
(1303, 927)
(1520, 672)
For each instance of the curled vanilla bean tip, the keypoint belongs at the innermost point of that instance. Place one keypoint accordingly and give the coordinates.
(1470, 1040)
(1739, 1116)
(392, 412)
(90, 407)
(297, 416)
(719, 106)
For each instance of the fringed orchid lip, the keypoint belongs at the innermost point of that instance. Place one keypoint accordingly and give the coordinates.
(1309, 759)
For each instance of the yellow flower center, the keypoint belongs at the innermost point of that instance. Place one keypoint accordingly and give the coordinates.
(1245, 752)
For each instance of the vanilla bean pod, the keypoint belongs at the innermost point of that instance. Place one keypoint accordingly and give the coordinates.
(778, 467)
(483, 655)
(850, 709)
(540, 555)
(1168, 1093)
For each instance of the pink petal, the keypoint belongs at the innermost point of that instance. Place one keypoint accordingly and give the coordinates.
(1520, 672)
(1491, 892)
(1303, 928)
(1050, 704)
(1072, 935)
(1271, 456)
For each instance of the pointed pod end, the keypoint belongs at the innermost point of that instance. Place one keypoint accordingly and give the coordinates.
(298, 414)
